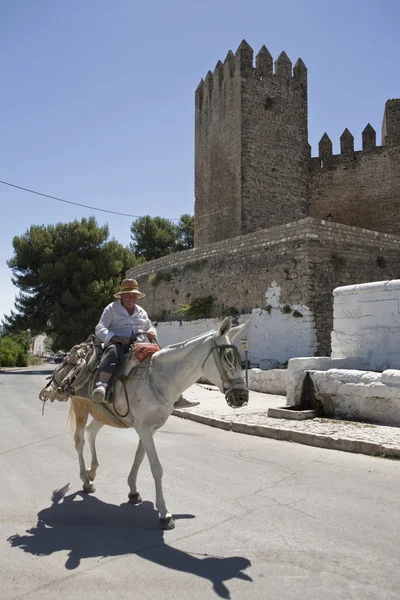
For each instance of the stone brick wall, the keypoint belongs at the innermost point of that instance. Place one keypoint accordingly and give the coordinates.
(307, 259)
(360, 189)
(251, 159)
(217, 154)
(236, 272)
(342, 255)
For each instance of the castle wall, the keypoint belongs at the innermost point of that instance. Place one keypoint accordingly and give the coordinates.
(236, 272)
(262, 275)
(343, 255)
(361, 189)
(306, 260)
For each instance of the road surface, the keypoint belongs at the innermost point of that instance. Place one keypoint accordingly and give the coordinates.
(255, 518)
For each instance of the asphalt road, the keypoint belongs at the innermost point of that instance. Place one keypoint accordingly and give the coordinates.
(255, 518)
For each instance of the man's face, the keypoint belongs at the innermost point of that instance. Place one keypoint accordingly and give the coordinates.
(128, 301)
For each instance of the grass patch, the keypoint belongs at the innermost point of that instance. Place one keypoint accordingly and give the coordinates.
(286, 310)
(157, 278)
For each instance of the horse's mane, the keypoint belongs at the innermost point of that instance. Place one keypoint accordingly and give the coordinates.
(188, 341)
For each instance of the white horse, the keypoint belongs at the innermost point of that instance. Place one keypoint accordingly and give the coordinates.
(148, 401)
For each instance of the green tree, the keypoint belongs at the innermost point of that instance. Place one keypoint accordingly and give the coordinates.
(66, 273)
(14, 350)
(185, 232)
(153, 237)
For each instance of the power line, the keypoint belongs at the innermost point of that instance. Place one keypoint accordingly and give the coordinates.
(113, 212)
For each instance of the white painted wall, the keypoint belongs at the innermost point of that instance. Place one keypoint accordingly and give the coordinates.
(367, 323)
(274, 337)
(37, 344)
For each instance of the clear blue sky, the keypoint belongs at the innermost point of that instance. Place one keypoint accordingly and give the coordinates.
(96, 97)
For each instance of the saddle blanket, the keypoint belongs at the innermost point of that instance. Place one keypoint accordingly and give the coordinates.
(142, 350)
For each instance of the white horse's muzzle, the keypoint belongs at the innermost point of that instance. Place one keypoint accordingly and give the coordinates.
(236, 398)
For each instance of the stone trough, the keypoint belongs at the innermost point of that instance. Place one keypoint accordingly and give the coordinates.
(361, 381)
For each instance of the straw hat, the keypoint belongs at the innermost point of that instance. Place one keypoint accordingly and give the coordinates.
(129, 286)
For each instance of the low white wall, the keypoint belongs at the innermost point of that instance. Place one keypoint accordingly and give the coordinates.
(359, 395)
(366, 323)
(272, 381)
(274, 336)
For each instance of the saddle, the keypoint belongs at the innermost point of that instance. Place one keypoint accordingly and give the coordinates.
(79, 369)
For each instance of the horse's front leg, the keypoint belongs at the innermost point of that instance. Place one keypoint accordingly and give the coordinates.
(92, 430)
(134, 495)
(81, 417)
(146, 437)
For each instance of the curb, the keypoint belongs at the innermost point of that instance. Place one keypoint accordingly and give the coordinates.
(299, 437)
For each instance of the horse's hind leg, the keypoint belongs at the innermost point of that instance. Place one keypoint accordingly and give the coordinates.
(134, 495)
(81, 416)
(92, 430)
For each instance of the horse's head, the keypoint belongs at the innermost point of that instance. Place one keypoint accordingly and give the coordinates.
(223, 365)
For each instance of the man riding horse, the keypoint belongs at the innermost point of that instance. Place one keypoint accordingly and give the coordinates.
(120, 320)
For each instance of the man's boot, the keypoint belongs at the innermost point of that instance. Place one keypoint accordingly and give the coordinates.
(99, 393)
(183, 403)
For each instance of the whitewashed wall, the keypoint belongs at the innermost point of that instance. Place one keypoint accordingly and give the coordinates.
(38, 344)
(274, 337)
(366, 323)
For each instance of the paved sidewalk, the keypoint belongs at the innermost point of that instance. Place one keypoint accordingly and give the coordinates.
(348, 436)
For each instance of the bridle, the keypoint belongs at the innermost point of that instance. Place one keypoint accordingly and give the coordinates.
(235, 394)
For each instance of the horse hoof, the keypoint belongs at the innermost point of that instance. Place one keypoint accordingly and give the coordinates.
(167, 523)
(88, 488)
(135, 498)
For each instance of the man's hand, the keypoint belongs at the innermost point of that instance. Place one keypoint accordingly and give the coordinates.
(151, 336)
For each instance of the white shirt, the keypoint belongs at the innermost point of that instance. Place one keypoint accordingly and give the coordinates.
(116, 320)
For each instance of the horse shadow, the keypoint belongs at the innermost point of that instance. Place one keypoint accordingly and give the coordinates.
(87, 527)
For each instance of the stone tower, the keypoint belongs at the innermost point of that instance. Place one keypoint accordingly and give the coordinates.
(391, 123)
(251, 145)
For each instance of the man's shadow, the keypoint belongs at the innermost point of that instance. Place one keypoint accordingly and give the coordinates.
(86, 527)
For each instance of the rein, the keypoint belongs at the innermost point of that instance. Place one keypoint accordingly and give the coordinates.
(229, 384)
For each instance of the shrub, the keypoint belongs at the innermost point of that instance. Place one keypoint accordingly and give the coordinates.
(198, 308)
(381, 262)
(338, 262)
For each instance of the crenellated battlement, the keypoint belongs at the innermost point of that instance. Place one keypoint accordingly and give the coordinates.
(242, 64)
(327, 159)
(390, 137)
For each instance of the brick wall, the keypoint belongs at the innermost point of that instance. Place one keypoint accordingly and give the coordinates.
(361, 189)
(307, 259)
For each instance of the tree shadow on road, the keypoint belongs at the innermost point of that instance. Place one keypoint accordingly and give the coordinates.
(27, 371)
(86, 527)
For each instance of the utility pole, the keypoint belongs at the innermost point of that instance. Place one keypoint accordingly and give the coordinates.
(1, 335)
